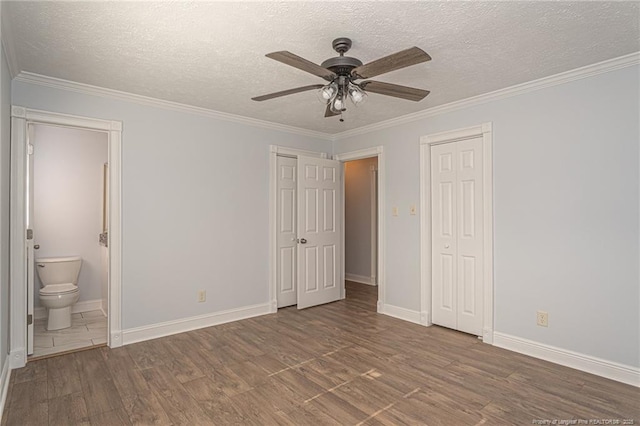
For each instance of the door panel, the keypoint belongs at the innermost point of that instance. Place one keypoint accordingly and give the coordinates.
(31, 262)
(443, 235)
(470, 242)
(286, 231)
(319, 248)
(457, 235)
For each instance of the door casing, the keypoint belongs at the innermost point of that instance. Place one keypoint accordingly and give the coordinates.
(485, 131)
(20, 117)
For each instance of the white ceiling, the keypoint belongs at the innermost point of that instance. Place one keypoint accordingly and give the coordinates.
(211, 54)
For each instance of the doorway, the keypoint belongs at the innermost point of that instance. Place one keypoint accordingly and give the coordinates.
(67, 213)
(361, 226)
(275, 264)
(23, 250)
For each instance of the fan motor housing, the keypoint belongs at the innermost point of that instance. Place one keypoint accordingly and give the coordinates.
(341, 65)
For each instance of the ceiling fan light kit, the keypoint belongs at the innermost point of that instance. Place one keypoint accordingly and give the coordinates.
(342, 72)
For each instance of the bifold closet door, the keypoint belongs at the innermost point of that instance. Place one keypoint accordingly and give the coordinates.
(457, 235)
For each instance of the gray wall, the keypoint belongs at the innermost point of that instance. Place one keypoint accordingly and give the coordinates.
(5, 161)
(195, 197)
(67, 189)
(357, 216)
(566, 211)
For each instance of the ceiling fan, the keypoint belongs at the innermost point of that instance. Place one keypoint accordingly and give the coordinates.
(341, 72)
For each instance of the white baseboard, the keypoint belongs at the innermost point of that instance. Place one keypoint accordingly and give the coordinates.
(400, 313)
(82, 306)
(4, 383)
(600, 367)
(360, 279)
(168, 328)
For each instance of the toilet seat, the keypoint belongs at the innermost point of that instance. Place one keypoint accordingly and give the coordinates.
(58, 289)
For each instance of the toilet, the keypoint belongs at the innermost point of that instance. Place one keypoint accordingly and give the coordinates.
(59, 291)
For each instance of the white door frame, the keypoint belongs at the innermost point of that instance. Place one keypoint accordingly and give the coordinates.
(485, 132)
(20, 117)
(358, 155)
(274, 151)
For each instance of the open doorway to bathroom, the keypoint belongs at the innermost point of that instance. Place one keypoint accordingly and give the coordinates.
(67, 210)
(361, 228)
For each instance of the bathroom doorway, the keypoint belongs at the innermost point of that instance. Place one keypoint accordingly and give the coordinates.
(67, 214)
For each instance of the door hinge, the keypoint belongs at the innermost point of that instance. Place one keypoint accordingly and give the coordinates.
(29, 149)
(29, 319)
(29, 234)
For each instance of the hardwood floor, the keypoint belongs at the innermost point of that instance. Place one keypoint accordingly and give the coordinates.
(337, 364)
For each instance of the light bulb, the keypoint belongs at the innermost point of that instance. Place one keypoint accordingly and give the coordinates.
(327, 92)
(338, 104)
(356, 94)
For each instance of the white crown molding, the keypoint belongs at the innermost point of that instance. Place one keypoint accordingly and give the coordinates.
(598, 366)
(519, 89)
(87, 89)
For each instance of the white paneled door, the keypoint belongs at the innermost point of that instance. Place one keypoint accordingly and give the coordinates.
(457, 235)
(31, 261)
(286, 231)
(319, 213)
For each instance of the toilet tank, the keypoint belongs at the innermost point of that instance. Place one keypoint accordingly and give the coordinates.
(58, 270)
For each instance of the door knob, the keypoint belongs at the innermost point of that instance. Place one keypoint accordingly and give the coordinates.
(446, 246)
(36, 247)
(303, 241)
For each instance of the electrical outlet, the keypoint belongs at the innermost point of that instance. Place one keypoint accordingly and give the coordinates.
(542, 319)
(202, 296)
(413, 210)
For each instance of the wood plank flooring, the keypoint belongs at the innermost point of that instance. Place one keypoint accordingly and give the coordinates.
(337, 364)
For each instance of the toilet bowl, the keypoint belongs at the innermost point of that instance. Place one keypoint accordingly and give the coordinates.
(59, 290)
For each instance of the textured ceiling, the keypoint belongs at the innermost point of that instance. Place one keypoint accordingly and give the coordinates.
(211, 54)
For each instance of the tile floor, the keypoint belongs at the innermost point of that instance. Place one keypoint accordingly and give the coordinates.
(87, 329)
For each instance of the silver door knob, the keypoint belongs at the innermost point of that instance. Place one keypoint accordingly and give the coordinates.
(446, 246)
(36, 247)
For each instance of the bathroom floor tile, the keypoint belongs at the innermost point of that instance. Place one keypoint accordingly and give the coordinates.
(93, 314)
(42, 342)
(87, 329)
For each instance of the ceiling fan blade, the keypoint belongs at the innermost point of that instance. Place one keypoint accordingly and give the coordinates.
(395, 90)
(402, 59)
(329, 113)
(287, 92)
(302, 64)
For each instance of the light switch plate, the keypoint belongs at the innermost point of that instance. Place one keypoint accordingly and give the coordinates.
(413, 210)
(394, 211)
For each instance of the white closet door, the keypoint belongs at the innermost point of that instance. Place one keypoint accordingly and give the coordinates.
(469, 245)
(457, 235)
(319, 207)
(443, 235)
(286, 231)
